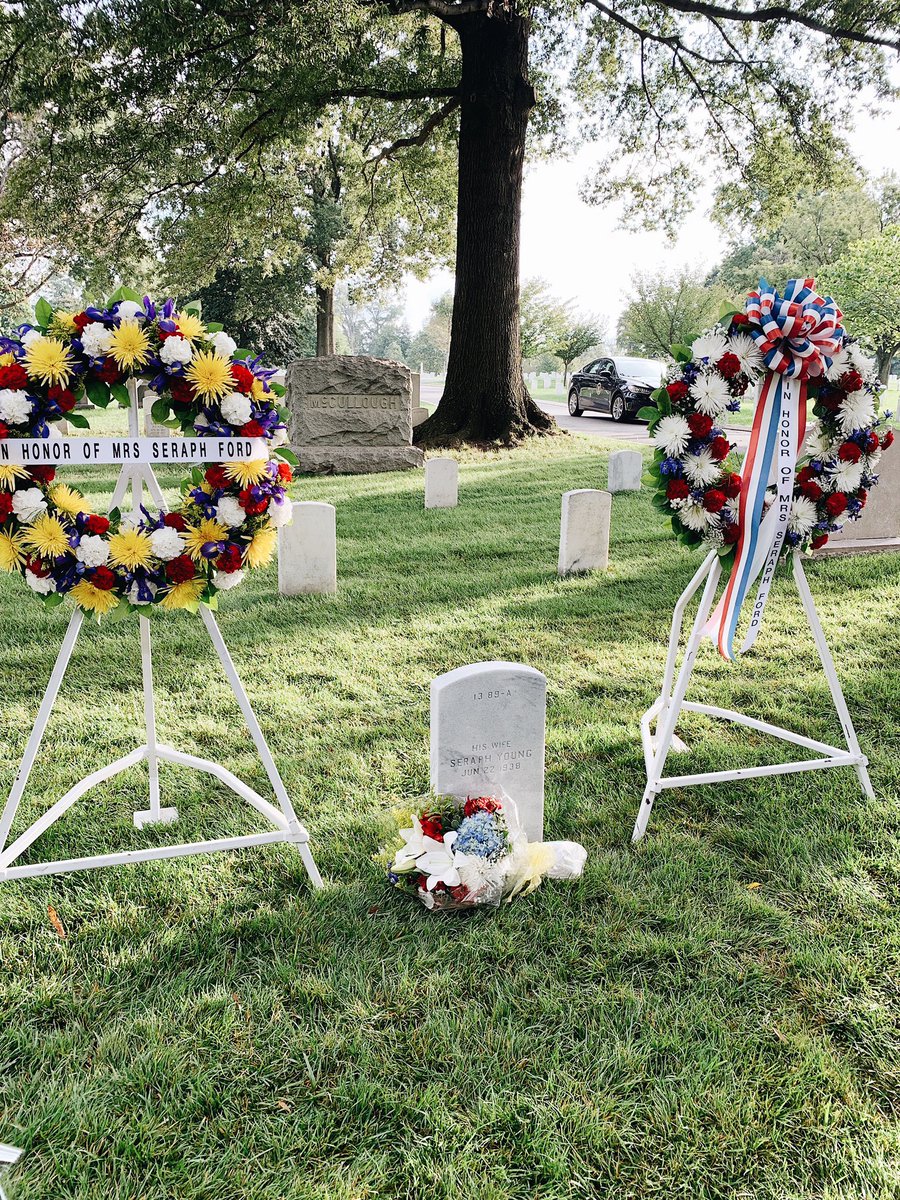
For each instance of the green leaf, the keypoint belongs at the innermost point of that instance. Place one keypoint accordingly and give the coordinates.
(114, 516)
(726, 311)
(79, 421)
(664, 404)
(53, 599)
(278, 388)
(160, 410)
(120, 391)
(647, 413)
(122, 610)
(193, 306)
(659, 502)
(172, 423)
(682, 353)
(97, 392)
(241, 353)
(124, 293)
(43, 312)
(288, 455)
(214, 327)
(211, 600)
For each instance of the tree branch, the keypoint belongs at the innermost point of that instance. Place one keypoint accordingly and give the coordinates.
(420, 138)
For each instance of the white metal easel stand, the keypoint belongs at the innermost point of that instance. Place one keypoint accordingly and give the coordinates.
(287, 826)
(666, 710)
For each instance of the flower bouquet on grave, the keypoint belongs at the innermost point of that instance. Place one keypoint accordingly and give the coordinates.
(461, 854)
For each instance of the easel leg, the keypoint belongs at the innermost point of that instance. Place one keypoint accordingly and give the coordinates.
(834, 684)
(40, 725)
(672, 707)
(154, 815)
(299, 835)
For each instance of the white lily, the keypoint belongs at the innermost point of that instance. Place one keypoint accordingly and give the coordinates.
(414, 846)
(437, 862)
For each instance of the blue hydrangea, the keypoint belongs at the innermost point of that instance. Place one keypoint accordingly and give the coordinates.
(671, 466)
(482, 836)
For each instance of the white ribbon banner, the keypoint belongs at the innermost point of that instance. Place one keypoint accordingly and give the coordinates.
(62, 452)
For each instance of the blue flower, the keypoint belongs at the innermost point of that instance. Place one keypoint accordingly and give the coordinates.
(482, 836)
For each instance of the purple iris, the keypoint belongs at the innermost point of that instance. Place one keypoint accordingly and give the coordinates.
(212, 549)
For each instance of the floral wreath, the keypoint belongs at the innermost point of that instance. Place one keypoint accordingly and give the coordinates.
(230, 512)
(697, 484)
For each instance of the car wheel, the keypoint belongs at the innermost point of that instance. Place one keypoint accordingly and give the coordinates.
(575, 409)
(617, 409)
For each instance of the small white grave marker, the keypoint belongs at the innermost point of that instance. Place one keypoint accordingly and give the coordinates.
(441, 483)
(487, 731)
(307, 551)
(584, 531)
(624, 471)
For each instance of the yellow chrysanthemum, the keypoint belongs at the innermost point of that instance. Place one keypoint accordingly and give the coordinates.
(246, 473)
(46, 536)
(210, 374)
(190, 326)
(196, 536)
(68, 500)
(63, 323)
(12, 551)
(257, 391)
(129, 345)
(9, 475)
(93, 599)
(184, 595)
(130, 548)
(261, 549)
(49, 361)
(7, 360)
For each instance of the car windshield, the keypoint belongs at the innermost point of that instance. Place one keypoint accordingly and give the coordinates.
(640, 368)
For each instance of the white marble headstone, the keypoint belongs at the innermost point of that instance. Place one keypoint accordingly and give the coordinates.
(584, 531)
(307, 551)
(441, 483)
(487, 731)
(624, 470)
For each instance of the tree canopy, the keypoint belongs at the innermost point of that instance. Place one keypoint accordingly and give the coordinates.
(664, 311)
(866, 281)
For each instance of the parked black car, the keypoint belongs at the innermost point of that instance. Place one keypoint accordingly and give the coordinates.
(618, 386)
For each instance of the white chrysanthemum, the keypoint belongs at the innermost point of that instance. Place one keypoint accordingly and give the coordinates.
(176, 349)
(224, 580)
(166, 543)
(134, 594)
(860, 361)
(28, 503)
(672, 434)
(710, 393)
(229, 513)
(92, 550)
(130, 310)
(31, 336)
(281, 514)
(694, 516)
(96, 339)
(748, 355)
(804, 516)
(856, 412)
(15, 407)
(236, 408)
(42, 584)
(711, 345)
(840, 364)
(702, 469)
(819, 443)
(279, 437)
(224, 345)
(733, 507)
(872, 459)
(845, 476)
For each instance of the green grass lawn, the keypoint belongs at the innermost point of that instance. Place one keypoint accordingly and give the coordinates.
(211, 1029)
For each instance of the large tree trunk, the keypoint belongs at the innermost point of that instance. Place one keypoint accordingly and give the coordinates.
(324, 320)
(485, 398)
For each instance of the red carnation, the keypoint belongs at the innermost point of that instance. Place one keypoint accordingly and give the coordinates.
(477, 804)
(832, 401)
(835, 504)
(851, 381)
(109, 372)
(849, 452)
(230, 560)
(216, 476)
(5, 505)
(103, 578)
(731, 485)
(871, 441)
(14, 376)
(36, 567)
(63, 397)
(252, 429)
(700, 424)
(180, 569)
(243, 377)
(97, 524)
(180, 391)
(719, 447)
(432, 826)
(819, 541)
(730, 534)
(80, 320)
(740, 319)
(175, 521)
(677, 489)
(714, 500)
(285, 474)
(887, 440)
(811, 489)
(251, 507)
(4, 431)
(805, 474)
(43, 474)
(862, 496)
(677, 390)
(729, 365)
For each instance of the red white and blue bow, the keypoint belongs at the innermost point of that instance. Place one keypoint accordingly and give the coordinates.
(798, 335)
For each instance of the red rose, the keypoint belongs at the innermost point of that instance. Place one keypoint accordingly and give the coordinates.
(5, 505)
(109, 372)
(835, 504)
(731, 485)
(96, 524)
(43, 474)
(253, 508)
(175, 521)
(285, 474)
(811, 489)
(432, 826)
(714, 500)
(180, 569)
(3, 430)
(730, 534)
(887, 440)
(481, 804)
(252, 429)
(180, 391)
(230, 560)
(103, 578)
(216, 477)
(14, 376)
(700, 424)
(851, 381)
(729, 365)
(677, 489)
(850, 452)
(719, 447)
(63, 397)
(819, 541)
(242, 376)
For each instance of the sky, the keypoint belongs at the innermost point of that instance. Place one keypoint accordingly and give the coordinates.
(584, 257)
